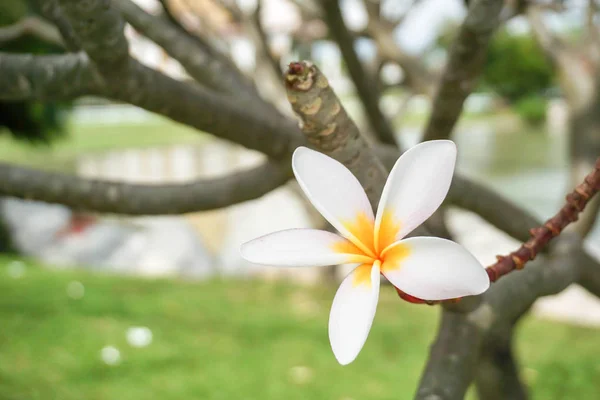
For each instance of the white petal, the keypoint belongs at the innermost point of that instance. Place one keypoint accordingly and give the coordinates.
(336, 193)
(353, 311)
(415, 188)
(301, 248)
(434, 269)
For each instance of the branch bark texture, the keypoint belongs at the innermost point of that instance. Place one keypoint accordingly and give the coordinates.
(134, 199)
(329, 128)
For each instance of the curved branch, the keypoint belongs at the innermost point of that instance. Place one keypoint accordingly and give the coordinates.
(31, 25)
(201, 65)
(51, 10)
(124, 198)
(72, 75)
(465, 64)
(367, 91)
(211, 112)
(100, 28)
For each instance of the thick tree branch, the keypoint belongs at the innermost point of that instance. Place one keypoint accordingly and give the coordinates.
(367, 91)
(329, 128)
(452, 358)
(497, 376)
(128, 80)
(459, 341)
(207, 111)
(123, 198)
(54, 77)
(465, 64)
(72, 75)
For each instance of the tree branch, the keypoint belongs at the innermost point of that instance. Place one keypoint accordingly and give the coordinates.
(452, 364)
(52, 77)
(452, 358)
(123, 198)
(200, 64)
(497, 376)
(329, 128)
(31, 25)
(367, 91)
(99, 27)
(465, 64)
(207, 111)
(418, 77)
(51, 11)
(128, 80)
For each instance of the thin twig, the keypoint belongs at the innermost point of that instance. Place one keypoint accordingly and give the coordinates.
(576, 202)
(367, 91)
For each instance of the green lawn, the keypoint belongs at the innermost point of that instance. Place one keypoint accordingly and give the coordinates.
(89, 138)
(235, 340)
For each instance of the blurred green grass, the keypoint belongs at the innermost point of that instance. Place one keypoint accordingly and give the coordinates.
(235, 340)
(87, 138)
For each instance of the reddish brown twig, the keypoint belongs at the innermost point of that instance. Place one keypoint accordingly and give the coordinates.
(540, 236)
(576, 202)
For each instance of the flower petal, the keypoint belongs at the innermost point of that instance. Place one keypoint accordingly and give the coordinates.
(415, 188)
(302, 248)
(434, 269)
(353, 311)
(337, 194)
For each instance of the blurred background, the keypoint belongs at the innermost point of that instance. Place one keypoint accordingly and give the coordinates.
(107, 307)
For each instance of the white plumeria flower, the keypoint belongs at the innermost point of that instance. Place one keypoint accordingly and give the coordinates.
(427, 268)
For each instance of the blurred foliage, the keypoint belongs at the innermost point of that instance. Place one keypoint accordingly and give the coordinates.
(517, 70)
(532, 109)
(33, 121)
(221, 340)
(516, 67)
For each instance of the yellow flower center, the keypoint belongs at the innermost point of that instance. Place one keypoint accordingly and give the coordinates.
(372, 246)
